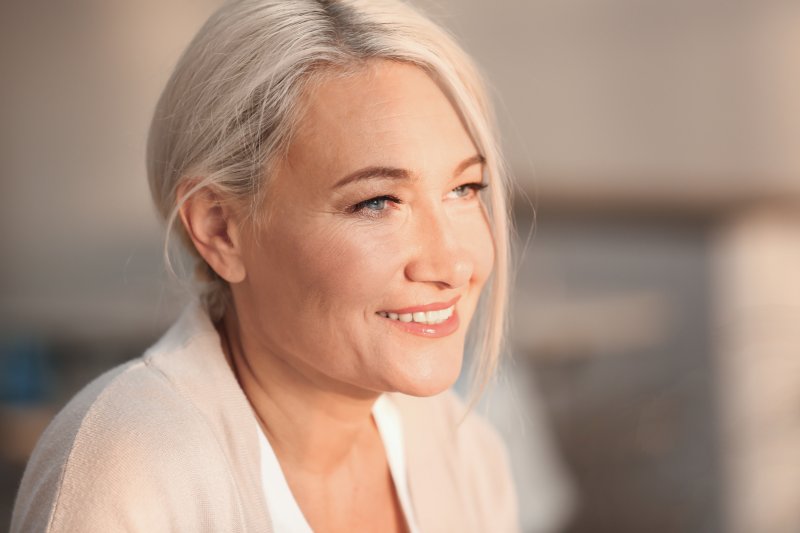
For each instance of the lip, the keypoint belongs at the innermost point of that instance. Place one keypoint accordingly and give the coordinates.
(443, 329)
(436, 306)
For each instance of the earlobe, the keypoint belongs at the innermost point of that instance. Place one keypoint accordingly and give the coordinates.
(213, 230)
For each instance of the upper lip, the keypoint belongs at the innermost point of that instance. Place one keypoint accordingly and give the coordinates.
(436, 306)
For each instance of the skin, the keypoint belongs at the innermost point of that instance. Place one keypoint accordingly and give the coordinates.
(304, 335)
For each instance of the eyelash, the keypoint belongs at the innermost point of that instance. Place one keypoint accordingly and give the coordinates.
(362, 207)
(474, 187)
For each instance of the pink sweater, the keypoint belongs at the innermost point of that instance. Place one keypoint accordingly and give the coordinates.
(168, 442)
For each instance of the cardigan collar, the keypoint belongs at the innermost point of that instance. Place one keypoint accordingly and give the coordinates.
(191, 356)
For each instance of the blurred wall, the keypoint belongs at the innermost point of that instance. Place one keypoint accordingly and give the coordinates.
(758, 357)
(80, 81)
(686, 98)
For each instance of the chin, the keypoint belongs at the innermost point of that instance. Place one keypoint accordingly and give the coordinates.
(427, 377)
(427, 389)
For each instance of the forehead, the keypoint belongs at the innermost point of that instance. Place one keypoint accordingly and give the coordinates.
(386, 113)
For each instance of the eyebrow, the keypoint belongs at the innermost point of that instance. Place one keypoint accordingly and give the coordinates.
(378, 172)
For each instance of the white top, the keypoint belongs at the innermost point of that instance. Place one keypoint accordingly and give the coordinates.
(283, 508)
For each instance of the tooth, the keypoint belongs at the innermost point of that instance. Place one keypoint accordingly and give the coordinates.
(422, 317)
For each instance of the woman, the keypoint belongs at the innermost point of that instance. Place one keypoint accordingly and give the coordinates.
(327, 161)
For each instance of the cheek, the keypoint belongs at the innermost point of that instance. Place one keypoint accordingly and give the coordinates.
(479, 242)
(334, 266)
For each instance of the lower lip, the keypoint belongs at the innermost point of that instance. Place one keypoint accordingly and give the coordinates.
(443, 329)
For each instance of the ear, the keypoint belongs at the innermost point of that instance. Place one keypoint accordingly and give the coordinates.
(212, 228)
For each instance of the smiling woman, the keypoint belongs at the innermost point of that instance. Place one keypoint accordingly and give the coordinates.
(334, 173)
(339, 252)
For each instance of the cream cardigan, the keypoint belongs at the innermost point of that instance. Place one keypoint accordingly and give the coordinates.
(168, 442)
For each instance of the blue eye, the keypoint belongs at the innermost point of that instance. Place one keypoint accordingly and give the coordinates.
(466, 190)
(373, 205)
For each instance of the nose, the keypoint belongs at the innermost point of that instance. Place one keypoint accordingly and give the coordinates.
(440, 253)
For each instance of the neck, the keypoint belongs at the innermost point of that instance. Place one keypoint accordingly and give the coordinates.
(313, 426)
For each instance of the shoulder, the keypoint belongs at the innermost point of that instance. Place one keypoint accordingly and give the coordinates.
(124, 451)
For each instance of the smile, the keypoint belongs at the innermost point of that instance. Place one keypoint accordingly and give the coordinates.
(431, 320)
(421, 317)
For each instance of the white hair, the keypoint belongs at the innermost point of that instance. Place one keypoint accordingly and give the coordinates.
(228, 112)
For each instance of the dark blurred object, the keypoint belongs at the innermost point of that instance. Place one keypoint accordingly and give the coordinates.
(25, 371)
(26, 378)
(615, 325)
(25, 385)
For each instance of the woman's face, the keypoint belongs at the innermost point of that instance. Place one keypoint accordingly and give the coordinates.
(376, 246)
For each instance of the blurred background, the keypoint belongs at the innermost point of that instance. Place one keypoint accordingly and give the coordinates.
(655, 379)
